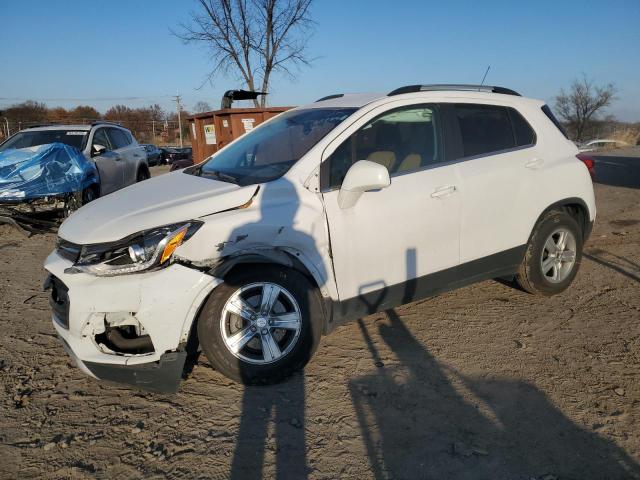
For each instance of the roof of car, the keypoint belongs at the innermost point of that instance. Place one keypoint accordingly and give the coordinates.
(358, 100)
(71, 126)
(347, 100)
(59, 127)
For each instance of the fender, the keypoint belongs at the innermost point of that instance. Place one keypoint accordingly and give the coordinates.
(286, 257)
(585, 220)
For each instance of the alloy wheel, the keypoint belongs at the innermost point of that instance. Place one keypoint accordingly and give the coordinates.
(558, 255)
(260, 323)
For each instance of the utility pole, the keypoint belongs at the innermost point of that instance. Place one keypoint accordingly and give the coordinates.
(153, 130)
(177, 99)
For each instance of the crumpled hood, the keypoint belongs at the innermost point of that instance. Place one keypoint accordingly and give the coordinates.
(43, 170)
(162, 200)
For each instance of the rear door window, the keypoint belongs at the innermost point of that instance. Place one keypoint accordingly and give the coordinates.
(487, 129)
(484, 129)
(522, 131)
(118, 138)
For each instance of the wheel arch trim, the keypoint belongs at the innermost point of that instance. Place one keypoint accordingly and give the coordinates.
(585, 222)
(286, 257)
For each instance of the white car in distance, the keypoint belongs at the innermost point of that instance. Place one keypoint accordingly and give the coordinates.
(328, 212)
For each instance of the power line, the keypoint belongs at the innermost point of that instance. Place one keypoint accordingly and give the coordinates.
(95, 99)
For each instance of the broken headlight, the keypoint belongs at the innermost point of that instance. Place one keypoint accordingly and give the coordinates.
(140, 252)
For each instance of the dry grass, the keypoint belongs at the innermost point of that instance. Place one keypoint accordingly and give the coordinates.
(629, 135)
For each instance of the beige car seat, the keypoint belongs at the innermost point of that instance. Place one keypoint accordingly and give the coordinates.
(384, 157)
(410, 162)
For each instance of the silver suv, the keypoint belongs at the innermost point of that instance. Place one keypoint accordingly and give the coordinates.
(119, 159)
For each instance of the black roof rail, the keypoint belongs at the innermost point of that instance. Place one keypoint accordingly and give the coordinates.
(105, 122)
(452, 87)
(37, 125)
(330, 97)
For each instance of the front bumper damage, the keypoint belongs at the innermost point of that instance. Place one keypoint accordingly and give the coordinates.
(39, 214)
(39, 182)
(130, 329)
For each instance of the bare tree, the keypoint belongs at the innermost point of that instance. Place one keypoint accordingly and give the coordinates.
(251, 38)
(201, 106)
(580, 106)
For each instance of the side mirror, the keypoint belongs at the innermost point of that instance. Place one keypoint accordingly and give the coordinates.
(363, 176)
(98, 149)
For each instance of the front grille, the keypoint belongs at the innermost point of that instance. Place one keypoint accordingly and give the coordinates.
(68, 250)
(59, 301)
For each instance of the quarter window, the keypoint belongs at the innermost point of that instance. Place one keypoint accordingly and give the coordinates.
(403, 140)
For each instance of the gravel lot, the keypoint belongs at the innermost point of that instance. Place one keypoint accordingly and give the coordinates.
(483, 382)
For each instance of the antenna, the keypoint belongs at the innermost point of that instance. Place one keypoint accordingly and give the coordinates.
(485, 75)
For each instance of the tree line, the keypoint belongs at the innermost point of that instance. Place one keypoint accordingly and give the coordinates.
(149, 124)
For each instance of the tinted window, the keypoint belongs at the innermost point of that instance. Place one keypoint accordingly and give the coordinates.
(484, 129)
(522, 131)
(547, 111)
(33, 138)
(403, 140)
(100, 138)
(267, 152)
(118, 138)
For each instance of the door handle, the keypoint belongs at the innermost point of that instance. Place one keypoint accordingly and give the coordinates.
(443, 191)
(535, 163)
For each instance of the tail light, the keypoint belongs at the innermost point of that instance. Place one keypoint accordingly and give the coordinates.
(589, 162)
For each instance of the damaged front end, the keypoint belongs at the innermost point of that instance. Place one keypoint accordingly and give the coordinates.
(40, 185)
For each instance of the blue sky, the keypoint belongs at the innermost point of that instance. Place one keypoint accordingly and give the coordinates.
(88, 52)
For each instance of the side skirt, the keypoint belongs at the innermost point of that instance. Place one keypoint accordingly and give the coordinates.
(499, 264)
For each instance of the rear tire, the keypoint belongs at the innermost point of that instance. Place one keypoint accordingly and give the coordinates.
(251, 348)
(553, 255)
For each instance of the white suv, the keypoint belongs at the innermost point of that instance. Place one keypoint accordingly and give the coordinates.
(328, 212)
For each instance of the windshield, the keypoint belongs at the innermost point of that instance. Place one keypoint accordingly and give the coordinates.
(270, 151)
(26, 138)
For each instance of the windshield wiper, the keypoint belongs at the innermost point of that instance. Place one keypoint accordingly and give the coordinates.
(219, 175)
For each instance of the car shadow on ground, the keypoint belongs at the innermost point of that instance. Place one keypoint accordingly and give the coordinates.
(622, 265)
(273, 417)
(283, 406)
(439, 423)
(442, 424)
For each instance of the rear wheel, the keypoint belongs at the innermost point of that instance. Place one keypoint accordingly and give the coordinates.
(261, 325)
(553, 255)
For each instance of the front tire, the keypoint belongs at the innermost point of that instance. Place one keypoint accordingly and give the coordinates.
(89, 194)
(553, 255)
(143, 174)
(261, 325)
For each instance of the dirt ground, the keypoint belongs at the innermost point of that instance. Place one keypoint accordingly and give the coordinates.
(483, 382)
